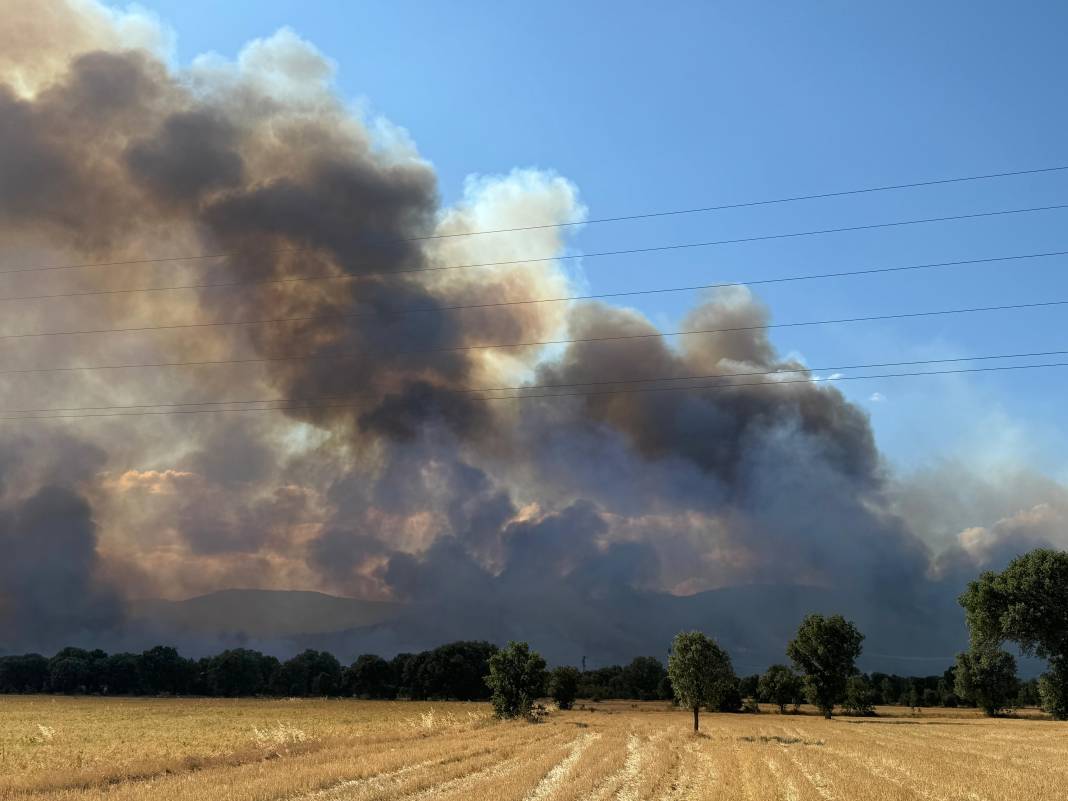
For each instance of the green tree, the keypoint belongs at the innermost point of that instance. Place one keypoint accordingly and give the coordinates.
(1053, 689)
(456, 670)
(68, 671)
(516, 678)
(123, 674)
(239, 671)
(1027, 603)
(642, 677)
(825, 650)
(563, 686)
(27, 673)
(986, 677)
(779, 685)
(308, 673)
(370, 676)
(163, 670)
(859, 696)
(700, 672)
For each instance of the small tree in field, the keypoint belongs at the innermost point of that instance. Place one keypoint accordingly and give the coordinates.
(825, 650)
(563, 686)
(780, 686)
(699, 670)
(986, 677)
(517, 677)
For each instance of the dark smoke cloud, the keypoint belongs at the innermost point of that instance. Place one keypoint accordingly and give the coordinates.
(579, 523)
(51, 582)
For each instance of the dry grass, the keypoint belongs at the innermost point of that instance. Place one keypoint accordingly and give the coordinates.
(249, 750)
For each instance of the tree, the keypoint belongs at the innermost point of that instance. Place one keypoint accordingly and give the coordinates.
(728, 697)
(699, 670)
(563, 686)
(825, 650)
(642, 678)
(68, 671)
(403, 666)
(456, 670)
(986, 677)
(516, 678)
(122, 674)
(1027, 603)
(779, 685)
(1053, 689)
(601, 683)
(164, 671)
(859, 697)
(240, 671)
(23, 674)
(370, 676)
(308, 673)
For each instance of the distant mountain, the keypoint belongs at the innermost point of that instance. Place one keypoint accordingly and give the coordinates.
(260, 614)
(752, 622)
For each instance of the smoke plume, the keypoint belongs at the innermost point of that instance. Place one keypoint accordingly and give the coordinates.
(587, 523)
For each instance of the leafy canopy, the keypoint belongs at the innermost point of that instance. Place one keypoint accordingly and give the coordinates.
(1027, 603)
(986, 677)
(516, 678)
(700, 671)
(563, 686)
(779, 685)
(825, 650)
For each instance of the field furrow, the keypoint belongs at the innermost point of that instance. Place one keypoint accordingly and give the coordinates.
(84, 749)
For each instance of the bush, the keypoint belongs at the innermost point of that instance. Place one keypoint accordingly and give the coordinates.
(516, 678)
(563, 686)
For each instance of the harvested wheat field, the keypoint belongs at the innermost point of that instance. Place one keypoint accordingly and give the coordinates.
(245, 750)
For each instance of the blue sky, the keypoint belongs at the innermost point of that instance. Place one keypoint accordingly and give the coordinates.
(688, 104)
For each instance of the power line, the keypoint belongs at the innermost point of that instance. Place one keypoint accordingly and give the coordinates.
(599, 296)
(633, 390)
(594, 221)
(489, 346)
(627, 251)
(570, 385)
(749, 204)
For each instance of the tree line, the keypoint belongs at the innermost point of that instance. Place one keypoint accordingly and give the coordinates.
(1026, 604)
(455, 671)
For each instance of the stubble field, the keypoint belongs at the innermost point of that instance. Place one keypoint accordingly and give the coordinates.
(252, 750)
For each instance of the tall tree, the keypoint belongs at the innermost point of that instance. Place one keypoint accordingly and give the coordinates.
(516, 678)
(699, 670)
(825, 650)
(986, 676)
(1027, 603)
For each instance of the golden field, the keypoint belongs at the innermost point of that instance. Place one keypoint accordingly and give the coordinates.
(341, 750)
